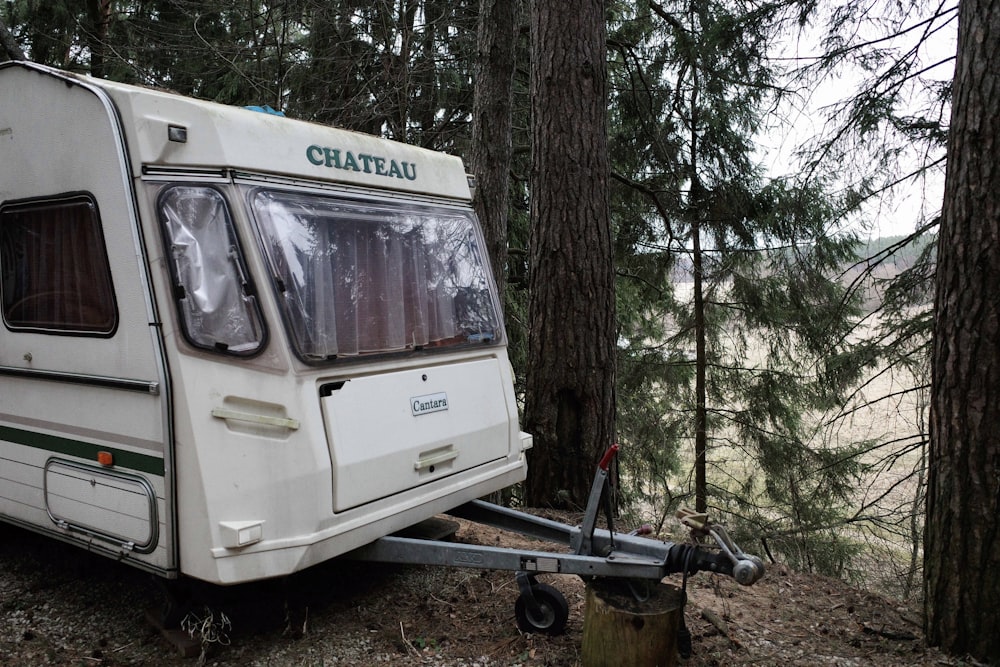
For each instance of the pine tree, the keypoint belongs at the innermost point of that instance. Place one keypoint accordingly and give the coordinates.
(746, 356)
(11, 49)
(491, 149)
(962, 601)
(569, 402)
(882, 149)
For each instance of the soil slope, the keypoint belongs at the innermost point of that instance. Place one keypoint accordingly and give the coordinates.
(62, 606)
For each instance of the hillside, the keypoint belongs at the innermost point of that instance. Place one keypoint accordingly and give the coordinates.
(59, 606)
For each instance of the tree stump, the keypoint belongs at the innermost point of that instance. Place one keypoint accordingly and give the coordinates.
(620, 630)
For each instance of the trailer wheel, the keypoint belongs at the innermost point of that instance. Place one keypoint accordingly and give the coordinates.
(545, 611)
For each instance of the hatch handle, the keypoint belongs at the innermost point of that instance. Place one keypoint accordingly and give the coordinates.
(436, 458)
(264, 420)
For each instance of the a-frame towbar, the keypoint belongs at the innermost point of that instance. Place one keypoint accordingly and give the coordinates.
(593, 552)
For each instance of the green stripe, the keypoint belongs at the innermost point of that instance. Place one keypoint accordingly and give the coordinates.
(85, 450)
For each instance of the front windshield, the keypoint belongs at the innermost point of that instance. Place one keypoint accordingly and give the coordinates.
(358, 277)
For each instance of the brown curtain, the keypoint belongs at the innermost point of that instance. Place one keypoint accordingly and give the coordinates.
(55, 268)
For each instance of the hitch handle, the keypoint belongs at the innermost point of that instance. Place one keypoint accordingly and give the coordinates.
(608, 455)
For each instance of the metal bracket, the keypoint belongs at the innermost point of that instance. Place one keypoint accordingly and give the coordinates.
(746, 568)
(525, 582)
(585, 546)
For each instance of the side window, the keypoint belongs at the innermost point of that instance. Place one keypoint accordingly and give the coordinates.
(54, 271)
(215, 298)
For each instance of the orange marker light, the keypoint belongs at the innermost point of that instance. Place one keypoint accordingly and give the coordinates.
(105, 458)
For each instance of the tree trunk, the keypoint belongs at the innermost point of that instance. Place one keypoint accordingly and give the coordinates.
(9, 44)
(491, 127)
(569, 402)
(962, 539)
(701, 373)
(99, 16)
(696, 206)
(619, 630)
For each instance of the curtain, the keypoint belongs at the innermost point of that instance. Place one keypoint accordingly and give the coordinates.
(56, 274)
(360, 278)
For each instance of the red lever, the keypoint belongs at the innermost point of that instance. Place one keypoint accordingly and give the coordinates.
(608, 455)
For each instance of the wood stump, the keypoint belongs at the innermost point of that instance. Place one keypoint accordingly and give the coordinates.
(620, 630)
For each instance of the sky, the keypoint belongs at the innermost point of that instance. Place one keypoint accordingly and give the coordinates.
(806, 115)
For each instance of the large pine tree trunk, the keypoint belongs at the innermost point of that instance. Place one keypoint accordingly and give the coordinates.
(491, 127)
(99, 16)
(962, 541)
(569, 403)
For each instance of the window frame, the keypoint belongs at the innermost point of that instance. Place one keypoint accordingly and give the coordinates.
(103, 261)
(250, 187)
(161, 190)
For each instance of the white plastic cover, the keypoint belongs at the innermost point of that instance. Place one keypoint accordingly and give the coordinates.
(360, 277)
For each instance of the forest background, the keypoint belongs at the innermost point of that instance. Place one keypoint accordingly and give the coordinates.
(772, 349)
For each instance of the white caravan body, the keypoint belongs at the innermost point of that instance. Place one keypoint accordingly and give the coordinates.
(234, 344)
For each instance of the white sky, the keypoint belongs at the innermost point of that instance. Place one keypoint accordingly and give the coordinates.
(899, 212)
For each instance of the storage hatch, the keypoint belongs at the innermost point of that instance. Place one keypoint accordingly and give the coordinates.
(116, 507)
(391, 432)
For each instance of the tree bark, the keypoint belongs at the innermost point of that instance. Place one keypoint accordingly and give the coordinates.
(619, 630)
(962, 533)
(9, 44)
(569, 402)
(99, 17)
(696, 212)
(491, 127)
(701, 367)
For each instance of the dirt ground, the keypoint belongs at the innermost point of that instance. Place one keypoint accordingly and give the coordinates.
(62, 606)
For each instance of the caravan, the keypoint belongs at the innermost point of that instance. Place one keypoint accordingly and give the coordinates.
(235, 344)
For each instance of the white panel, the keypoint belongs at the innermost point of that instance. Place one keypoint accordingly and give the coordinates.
(380, 444)
(59, 390)
(247, 140)
(20, 483)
